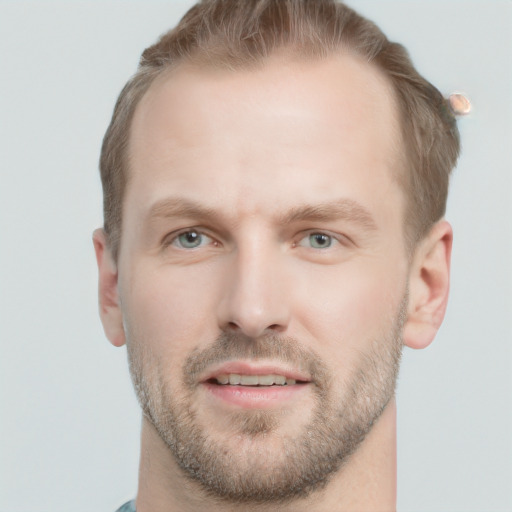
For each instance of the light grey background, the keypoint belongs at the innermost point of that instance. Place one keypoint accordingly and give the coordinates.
(69, 421)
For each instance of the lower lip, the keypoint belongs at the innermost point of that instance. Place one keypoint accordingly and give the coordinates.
(256, 397)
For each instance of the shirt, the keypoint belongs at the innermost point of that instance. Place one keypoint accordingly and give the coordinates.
(127, 507)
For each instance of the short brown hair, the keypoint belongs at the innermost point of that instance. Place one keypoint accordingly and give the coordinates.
(237, 34)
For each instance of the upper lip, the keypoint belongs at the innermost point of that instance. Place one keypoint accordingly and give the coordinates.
(252, 368)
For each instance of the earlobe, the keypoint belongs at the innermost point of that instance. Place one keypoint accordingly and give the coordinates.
(429, 284)
(110, 310)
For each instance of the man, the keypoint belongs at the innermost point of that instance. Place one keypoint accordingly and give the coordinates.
(275, 179)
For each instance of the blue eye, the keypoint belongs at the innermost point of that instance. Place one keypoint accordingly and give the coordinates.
(320, 240)
(190, 239)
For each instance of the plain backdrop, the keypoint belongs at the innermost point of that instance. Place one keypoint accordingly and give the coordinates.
(69, 424)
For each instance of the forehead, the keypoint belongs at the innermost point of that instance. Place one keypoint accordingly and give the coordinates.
(252, 140)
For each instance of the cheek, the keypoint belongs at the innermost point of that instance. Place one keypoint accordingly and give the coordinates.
(344, 307)
(167, 308)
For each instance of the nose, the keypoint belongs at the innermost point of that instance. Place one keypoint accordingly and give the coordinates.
(255, 299)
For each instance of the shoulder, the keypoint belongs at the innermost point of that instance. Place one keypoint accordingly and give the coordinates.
(127, 507)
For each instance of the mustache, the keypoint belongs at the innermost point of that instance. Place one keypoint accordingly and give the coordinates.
(230, 346)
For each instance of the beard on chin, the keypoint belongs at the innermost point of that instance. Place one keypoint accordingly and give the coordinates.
(256, 462)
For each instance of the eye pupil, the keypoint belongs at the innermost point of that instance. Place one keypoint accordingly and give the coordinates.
(320, 240)
(190, 239)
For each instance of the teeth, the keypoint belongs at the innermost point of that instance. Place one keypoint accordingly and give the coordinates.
(266, 380)
(223, 379)
(254, 380)
(234, 379)
(249, 380)
(279, 379)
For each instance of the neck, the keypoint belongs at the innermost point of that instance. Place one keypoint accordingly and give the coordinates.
(367, 482)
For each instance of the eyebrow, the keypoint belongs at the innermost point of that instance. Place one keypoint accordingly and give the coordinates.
(341, 209)
(179, 207)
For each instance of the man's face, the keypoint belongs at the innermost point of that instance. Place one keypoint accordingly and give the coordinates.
(262, 271)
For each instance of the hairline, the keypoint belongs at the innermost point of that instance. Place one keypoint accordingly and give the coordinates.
(291, 54)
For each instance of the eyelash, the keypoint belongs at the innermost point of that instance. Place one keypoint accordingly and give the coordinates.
(174, 238)
(333, 238)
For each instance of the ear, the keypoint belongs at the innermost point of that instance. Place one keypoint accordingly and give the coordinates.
(429, 283)
(110, 310)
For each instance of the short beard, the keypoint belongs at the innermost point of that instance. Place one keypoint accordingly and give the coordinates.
(301, 465)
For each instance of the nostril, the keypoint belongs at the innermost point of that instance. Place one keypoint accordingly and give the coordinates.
(232, 326)
(253, 325)
(275, 327)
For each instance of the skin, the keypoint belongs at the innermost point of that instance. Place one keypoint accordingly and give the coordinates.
(252, 148)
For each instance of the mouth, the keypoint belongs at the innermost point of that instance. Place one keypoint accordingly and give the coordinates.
(249, 385)
(253, 374)
(235, 379)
